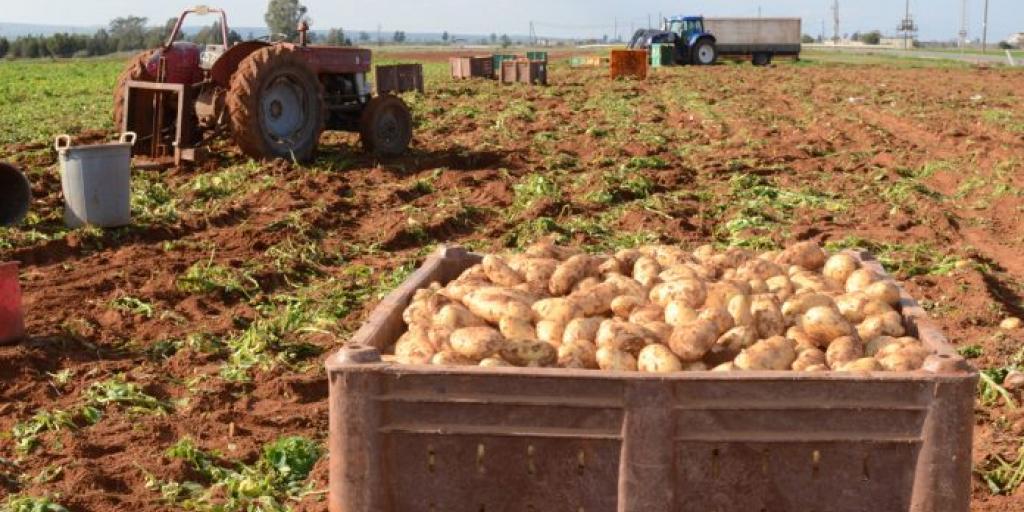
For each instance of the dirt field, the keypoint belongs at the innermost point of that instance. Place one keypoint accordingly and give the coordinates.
(206, 323)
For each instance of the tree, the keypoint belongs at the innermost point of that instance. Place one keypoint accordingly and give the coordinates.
(1005, 45)
(399, 37)
(806, 39)
(283, 17)
(213, 35)
(445, 37)
(336, 37)
(506, 41)
(494, 38)
(364, 36)
(873, 38)
(129, 31)
(5, 46)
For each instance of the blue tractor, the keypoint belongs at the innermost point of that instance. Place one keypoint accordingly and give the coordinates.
(693, 44)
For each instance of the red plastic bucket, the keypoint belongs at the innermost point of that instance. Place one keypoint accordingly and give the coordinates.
(12, 320)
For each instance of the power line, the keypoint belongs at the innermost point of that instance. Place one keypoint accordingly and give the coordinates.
(835, 15)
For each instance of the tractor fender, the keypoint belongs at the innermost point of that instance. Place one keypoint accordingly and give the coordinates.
(228, 63)
(696, 38)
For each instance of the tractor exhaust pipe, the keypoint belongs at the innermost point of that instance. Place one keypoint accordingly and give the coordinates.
(15, 195)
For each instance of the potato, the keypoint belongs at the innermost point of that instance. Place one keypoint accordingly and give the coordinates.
(808, 358)
(551, 331)
(808, 255)
(678, 273)
(661, 330)
(626, 285)
(802, 339)
(818, 368)
(611, 266)
(455, 316)
(757, 268)
(692, 341)
(721, 293)
(474, 273)
(578, 354)
(500, 273)
(758, 286)
(646, 271)
(739, 310)
(611, 359)
(658, 358)
(839, 267)
(704, 252)
(439, 338)
(767, 316)
(875, 345)
(885, 324)
(671, 255)
(585, 285)
(558, 309)
(720, 317)
(781, 286)
(797, 305)
(568, 273)
(725, 367)
(492, 303)
(876, 307)
(516, 328)
(424, 305)
(414, 348)
(647, 314)
(459, 290)
(811, 281)
(476, 342)
(864, 364)
(624, 336)
(906, 359)
(698, 366)
(690, 291)
(735, 340)
(851, 306)
(884, 291)
(597, 300)
(825, 324)
(776, 353)
(448, 358)
(860, 279)
(582, 329)
(534, 354)
(494, 362)
(546, 249)
(844, 350)
(628, 258)
(679, 312)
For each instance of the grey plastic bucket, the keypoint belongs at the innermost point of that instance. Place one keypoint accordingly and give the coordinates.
(15, 195)
(96, 181)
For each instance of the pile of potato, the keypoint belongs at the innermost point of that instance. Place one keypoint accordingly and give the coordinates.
(662, 309)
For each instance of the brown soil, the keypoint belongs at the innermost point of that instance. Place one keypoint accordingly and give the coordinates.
(839, 129)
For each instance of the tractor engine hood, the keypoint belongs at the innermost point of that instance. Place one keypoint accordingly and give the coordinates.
(643, 39)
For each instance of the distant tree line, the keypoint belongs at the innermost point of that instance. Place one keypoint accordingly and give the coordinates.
(123, 34)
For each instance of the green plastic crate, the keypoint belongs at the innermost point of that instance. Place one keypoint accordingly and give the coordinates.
(499, 58)
(662, 55)
(537, 56)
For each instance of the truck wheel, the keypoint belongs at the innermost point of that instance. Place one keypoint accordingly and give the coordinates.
(762, 59)
(276, 105)
(135, 70)
(386, 126)
(705, 53)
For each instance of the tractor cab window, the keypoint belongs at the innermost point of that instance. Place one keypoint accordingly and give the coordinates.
(687, 27)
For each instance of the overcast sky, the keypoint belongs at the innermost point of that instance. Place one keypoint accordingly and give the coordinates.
(938, 19)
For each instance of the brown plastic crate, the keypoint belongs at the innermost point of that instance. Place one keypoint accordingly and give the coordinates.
(531, 72)
(630, 63)
(399, 78)
(472, 67)
(442, 439)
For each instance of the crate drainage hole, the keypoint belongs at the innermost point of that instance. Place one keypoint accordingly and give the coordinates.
(714, 463)
(867, 473)
(480, 458)
(764, 463)
(431, 458)
(815, 460)
(531, 467)
(581, 464)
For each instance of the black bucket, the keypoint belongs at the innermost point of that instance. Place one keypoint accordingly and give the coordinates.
(15, 195)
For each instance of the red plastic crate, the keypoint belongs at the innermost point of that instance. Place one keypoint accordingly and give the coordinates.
(12, 323)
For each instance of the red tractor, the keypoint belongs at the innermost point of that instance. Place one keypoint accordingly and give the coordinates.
(275, 99)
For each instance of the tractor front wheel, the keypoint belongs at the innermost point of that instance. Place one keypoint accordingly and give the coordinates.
(276, 105)
(135, 70)
(386, 126)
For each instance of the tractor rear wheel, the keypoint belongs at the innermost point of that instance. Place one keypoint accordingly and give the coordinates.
(705, 53)
(386, 126)
(135, 70)
(276, 105)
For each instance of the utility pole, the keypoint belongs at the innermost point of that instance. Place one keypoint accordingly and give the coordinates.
(963, 25)
(908, 27)
(380, 37)
(615, 33)
(984, 31)
(835, 17)
(759, 11)
(533, 34)
(649, 25)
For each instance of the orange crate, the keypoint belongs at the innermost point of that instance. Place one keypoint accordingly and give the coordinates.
(630, 63)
